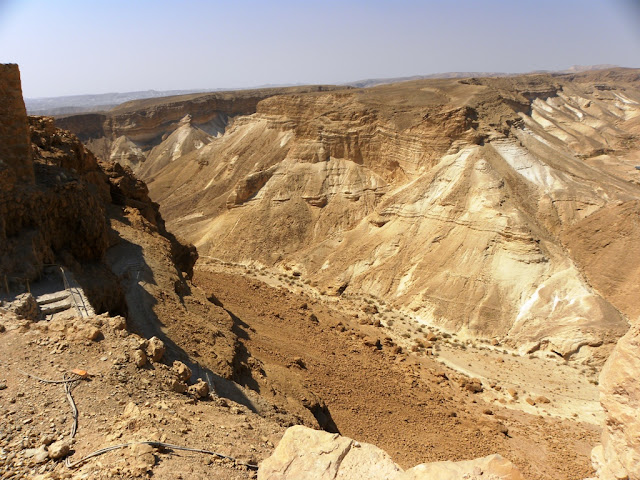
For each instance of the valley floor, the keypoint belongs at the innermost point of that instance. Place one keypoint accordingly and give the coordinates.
(407, 403)
(304, 354)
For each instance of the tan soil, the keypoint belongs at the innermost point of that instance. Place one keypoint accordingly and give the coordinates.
(398, 402)
(118, 404)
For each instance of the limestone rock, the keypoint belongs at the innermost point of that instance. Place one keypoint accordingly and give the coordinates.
(155, 349)
(492, 467)
(142, 460)
(26, 306)
(200, 389)
(619, 455)
(139, 358)
(176, 385)
(312, 454)
(442, 186)
(181, 370)
(37, 455)
(118, 323)
(93, 333)
(59, 449)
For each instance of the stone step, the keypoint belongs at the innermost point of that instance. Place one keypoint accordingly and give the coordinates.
(52, 297)
(56, 307)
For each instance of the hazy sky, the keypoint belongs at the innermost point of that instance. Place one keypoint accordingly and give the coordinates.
(90, 46)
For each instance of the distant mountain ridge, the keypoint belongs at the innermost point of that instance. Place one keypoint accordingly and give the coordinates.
(93, 102)
(371, 82)
(71, 104)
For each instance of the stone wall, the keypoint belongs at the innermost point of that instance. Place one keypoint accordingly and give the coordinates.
(15, 145)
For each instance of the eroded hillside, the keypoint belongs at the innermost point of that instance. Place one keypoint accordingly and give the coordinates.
(229, 358)
(471, 204)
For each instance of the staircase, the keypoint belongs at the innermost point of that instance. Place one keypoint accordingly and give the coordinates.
(69, 297)
(56, 302)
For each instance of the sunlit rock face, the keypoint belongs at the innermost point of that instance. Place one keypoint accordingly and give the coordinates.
(313, 454)
(619, 455)
(493, 207)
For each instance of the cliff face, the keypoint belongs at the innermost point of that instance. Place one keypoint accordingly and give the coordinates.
(15, 145)
(459, 201)
(97, 220)
(57, 207)
(53, 206)
(129, 132)
(619, 455)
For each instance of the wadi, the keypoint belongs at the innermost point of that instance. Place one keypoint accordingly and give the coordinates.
(426, 279)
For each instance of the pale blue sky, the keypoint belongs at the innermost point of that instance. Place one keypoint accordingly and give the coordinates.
(67, 47)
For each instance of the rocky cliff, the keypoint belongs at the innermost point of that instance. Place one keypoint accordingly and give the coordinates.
(15, 145)
(459, 201)
(130, 132)
(619, 455)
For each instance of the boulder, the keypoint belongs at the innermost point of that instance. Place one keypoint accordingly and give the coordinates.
(155, 349)
(312, 454)
(619, 455)
(200, 389)
(176, 385)
(492, 467)
(181, 370)
(139, 358)
(59, 449)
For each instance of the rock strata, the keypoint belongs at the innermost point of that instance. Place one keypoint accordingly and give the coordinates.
(619, 455)
(460, 201)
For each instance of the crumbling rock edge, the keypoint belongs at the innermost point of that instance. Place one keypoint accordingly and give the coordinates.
(312, 454)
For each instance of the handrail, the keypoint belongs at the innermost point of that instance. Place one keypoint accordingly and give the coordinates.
(65, 281)
(68, 288)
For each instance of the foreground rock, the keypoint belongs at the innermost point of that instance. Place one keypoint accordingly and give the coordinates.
(619, 455)
(313, 454)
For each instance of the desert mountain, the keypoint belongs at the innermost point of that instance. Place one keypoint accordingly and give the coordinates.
(479, 204)
(161, 373)
(295, 356)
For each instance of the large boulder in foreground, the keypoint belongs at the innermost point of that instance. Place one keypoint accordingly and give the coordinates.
(619, 455)
(317, 455)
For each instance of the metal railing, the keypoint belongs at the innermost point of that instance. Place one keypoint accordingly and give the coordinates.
(67, 287)
(25, 287)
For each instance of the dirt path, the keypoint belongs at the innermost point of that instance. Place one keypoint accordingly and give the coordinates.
(410, 406)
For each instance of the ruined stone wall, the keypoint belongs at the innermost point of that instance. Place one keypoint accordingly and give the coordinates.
(15, 144)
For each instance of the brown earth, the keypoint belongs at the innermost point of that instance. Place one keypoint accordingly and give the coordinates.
(398, 401)
(275, 358)
(118, 403)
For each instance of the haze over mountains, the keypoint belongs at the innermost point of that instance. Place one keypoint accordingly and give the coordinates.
(100, 102)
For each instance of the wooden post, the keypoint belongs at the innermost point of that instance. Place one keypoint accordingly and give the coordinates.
(6, 284)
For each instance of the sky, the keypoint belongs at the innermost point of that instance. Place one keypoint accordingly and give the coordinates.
(66, 47)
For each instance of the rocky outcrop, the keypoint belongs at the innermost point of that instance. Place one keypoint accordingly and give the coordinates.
(618, 457)
(59, 213)
(15, 145)
(134, 130)
(316, 455)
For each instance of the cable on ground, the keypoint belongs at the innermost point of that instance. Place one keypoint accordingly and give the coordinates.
(159, 445)
(70, 380)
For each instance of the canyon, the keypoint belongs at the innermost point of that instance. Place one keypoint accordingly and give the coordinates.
(437, 267)
(484, 206)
